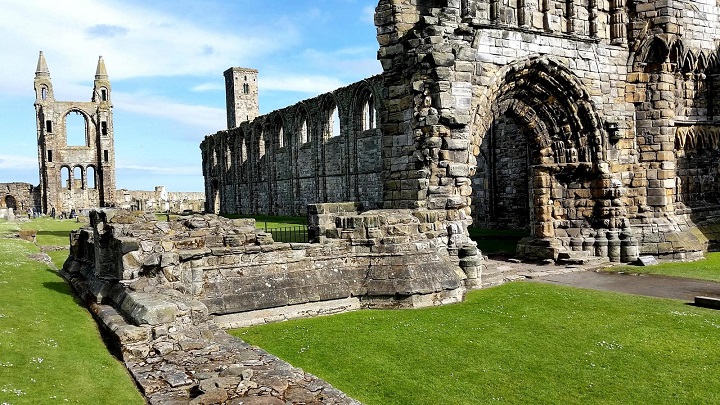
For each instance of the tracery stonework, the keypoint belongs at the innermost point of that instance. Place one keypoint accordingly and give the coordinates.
(592, 125)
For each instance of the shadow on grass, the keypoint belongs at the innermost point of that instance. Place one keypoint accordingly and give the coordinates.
(58, 286)
(58, 234)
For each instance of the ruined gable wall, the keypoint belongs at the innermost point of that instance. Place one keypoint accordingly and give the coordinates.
(19, 197)
(281, 162)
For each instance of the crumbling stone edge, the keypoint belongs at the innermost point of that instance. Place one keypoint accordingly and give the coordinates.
(198, 363)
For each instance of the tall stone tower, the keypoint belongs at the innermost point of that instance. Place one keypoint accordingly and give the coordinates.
(241, 94)
(78, 174)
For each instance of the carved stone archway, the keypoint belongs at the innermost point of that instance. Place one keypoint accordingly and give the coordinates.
(566, 178)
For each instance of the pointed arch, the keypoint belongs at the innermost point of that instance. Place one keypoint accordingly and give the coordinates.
(702, 62)
(537, 132)
(364, 107)
(553, 103)
(688, 65)
(302, 125)
(330, 117)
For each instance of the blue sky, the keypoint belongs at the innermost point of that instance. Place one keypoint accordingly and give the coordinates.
(165, 61)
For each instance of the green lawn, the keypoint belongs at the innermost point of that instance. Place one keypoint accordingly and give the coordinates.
(50, 348)
(706, 269)
(519, 343)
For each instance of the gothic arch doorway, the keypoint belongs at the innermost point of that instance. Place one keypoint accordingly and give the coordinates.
(10, 202)
(539, 147)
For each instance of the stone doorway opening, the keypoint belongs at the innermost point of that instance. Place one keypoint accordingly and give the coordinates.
(538, 146)
(10, 202)
(502, 182)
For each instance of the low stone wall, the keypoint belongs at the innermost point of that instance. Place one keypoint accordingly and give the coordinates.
(162, 290)
(229, 266)
(7, 213)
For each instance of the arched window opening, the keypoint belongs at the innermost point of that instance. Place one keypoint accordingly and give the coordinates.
(369, 118)
(103, 94)
(78, 182)
(261, 145)
(10, 202)
(65, 177)
(76, 129)
(243, 150)
(333, 124)
(228, 156)
(91, 179)
(246, 88)
(104, 127)
(281, 137)
(304, 132)
(44, 93)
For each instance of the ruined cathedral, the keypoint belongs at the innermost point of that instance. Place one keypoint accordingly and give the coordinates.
(593, 125)
(76, 158)
(75, 173)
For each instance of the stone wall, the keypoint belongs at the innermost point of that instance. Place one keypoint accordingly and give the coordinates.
(582, 123)
(75, 174)
(19, 197)
(160, 200)
(325, 149)
(227, 266)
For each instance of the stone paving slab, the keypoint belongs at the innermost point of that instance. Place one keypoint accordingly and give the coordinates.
(649, 285)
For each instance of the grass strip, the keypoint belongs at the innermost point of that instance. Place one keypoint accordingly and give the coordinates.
(50, 348)
(518, 343)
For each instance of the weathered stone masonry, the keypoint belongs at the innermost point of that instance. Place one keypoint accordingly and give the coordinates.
(591, 124)
(163, 289)
(281, 162)
(75, 176)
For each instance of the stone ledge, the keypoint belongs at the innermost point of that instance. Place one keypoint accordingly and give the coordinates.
(708, 302)
(263, 316)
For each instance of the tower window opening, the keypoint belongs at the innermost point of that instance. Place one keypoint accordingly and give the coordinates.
(106, 155)
(49, 155)
(48, 126)
(78, 181)
(44, 93)
(90, 174)
(103, 94)
(103, 128)
(76, 129)
(246, 88)
(65, 177)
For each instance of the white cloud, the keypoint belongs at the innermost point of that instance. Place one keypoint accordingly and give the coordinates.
(162, 171)
(301, 84)
(208, 87)
(346, 62)
(135, 41)
(17, 162)
(368, 15)
(206, 119)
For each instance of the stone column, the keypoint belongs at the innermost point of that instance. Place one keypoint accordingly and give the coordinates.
(593, 17)
(660, 152)
(618, 18)
(522, 13)
(570, 16)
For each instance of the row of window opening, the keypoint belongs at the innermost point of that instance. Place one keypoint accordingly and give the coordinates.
(79, 178)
